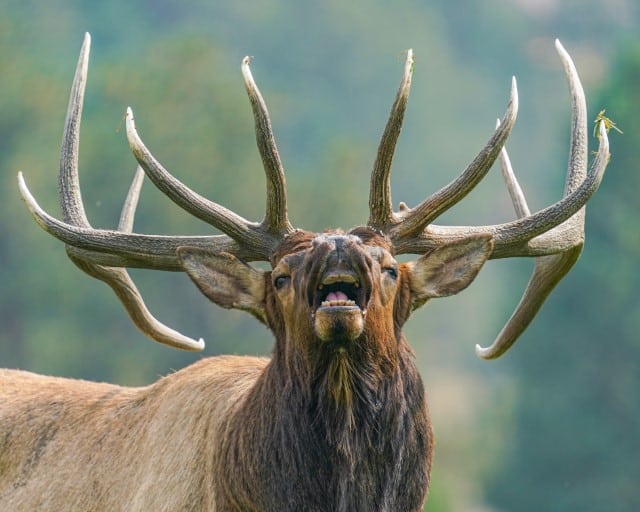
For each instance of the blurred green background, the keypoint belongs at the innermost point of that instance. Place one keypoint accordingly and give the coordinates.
(554, 424)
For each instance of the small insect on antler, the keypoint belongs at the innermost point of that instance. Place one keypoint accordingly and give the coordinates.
(553, 236)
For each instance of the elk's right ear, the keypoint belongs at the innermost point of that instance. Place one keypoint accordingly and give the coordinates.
(226, 280)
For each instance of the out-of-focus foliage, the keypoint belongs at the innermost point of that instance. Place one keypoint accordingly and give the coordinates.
(587, 408)
(328, 71)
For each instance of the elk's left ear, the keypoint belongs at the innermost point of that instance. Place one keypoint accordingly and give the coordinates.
(448, 269)
(226, 280)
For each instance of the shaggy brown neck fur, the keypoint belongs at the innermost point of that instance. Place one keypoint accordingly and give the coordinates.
(348, 430)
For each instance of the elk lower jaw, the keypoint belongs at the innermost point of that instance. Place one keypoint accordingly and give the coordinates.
(338, 322)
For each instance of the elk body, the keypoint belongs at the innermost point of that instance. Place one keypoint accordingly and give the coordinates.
(336, 419)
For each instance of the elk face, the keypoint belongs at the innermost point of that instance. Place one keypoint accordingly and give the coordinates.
(326, 290)
(331, 291)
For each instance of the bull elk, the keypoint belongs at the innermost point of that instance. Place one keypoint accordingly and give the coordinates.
(336, 419)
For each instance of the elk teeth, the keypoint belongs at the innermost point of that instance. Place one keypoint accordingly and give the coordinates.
(333, 303)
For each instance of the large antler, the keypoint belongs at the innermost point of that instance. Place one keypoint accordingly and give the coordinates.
(553, 235)
(101, 253)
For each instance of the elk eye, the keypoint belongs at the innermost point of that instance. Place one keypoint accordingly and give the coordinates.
(392, 272)
(281, 281)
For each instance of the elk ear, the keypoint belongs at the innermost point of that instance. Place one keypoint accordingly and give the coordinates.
(226, 280)
(448, 269)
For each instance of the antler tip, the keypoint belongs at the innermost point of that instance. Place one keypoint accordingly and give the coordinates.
(32, 205)
(485, 353)
(563, 53)
(246, 70)
(603, 149)
(130, 128)
(129, 121)
(22, 186)
(514, 92)
(410, 56)
(408, 70)
(247, 75)
(198, 346)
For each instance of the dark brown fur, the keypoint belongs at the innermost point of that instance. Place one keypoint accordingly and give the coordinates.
(346, 430)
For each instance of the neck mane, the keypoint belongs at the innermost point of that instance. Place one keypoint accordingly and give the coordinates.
(345, 434)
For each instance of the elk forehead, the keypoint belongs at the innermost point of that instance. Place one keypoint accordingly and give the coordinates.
(337, 240)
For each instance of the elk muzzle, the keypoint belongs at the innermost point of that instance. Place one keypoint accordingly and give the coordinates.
(342, 288)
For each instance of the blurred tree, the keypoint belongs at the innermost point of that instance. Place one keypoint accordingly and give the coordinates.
(576, 443)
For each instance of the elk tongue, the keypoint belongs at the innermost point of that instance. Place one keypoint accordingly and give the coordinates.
(334, 296)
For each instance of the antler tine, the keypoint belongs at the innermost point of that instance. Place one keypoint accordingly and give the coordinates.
(128, 213)
(577, 177)
(518, 199)
(416, 219)
(73, 212)
(124, 287)
(104, 247)
(68, 183)
(381, 214)
(276, 219)
(547, 273)
(578, 153)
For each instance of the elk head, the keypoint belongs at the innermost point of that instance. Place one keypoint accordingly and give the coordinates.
(330, 289)
(337, 294)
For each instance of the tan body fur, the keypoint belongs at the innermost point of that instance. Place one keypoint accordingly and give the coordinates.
(133, 448)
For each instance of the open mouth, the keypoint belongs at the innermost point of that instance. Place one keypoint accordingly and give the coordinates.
(340, 290)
